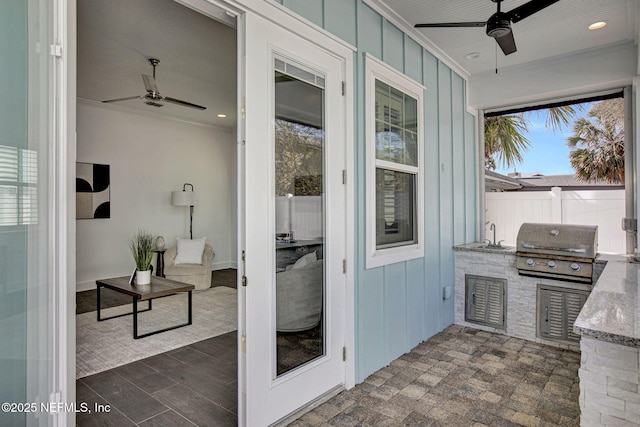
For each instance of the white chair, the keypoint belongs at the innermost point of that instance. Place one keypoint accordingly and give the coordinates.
(299, 298)
(198, 275)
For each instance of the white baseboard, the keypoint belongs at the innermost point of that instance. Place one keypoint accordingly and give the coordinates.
(224, 265)
(87, 286)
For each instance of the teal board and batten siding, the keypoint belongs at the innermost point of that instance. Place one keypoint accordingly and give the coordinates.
(400, 305)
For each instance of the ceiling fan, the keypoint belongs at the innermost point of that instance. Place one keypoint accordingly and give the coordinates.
(499, 24)
(153, 97)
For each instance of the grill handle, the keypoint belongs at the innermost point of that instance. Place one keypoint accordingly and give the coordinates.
(549, 248)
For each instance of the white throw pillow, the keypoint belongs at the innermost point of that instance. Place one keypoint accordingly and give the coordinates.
(189, 251)
(305, 261)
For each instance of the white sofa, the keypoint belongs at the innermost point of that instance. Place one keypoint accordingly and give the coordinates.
(299, 298)
(198, 275)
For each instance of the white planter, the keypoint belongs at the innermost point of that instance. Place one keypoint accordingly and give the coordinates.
(143, 277)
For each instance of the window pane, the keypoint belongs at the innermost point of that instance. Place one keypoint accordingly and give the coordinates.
(395, 208)
(410, 114)
(396, 125)
(8, 205)
(8, 163)
(299, 219)
(29, 205)
(29, 166)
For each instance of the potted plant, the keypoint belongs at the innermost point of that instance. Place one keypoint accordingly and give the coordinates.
(142, 249)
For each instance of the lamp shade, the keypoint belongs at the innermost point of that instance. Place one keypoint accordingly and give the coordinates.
(183, 198)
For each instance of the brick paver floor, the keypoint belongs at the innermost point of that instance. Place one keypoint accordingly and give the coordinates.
(463, 377)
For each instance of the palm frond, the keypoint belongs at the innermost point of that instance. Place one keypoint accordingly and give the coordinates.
(505, 138)
(597, 143)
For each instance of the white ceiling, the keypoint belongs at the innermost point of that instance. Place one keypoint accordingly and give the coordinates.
(197, 56)
(559, 30)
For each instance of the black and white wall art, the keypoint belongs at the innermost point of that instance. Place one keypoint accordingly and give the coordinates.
(92, 191)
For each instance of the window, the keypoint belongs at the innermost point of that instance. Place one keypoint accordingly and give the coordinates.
(394, 166)
(18, 186)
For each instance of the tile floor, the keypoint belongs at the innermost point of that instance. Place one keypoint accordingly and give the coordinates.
(460, 377)
(194, 385)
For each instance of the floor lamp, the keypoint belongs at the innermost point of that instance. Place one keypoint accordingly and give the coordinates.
(185, 198)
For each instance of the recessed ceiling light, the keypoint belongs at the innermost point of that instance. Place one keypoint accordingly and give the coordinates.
(472, 55)
(597, 25)
(222, 116)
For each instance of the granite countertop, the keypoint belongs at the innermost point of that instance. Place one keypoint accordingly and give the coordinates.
(482, 247)
(612, 311)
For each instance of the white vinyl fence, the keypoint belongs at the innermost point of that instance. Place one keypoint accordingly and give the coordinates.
(604, 208)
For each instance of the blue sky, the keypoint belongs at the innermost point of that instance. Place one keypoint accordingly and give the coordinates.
(548, 153)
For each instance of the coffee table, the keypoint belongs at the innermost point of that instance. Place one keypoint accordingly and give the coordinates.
(159, 287)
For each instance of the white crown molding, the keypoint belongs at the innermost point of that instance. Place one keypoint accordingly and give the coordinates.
(129, 110)
(392, 16)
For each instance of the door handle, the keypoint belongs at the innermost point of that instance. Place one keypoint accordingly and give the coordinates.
(546, 313)
(473, 298)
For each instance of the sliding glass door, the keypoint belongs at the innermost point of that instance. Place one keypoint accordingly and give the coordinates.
(26, 295)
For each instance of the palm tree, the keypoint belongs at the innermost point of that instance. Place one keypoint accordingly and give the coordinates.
(598, 143)
(505, 136)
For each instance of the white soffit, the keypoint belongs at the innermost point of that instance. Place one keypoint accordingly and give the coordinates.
(558, 30)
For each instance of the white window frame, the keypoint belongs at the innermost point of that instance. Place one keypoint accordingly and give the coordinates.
(376, 257)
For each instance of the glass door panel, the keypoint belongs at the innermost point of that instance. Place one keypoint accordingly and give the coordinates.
(299, 215)
(26, 287)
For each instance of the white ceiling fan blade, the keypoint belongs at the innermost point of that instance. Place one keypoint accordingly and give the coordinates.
(150, 84)
(124, 99)
(183, 103)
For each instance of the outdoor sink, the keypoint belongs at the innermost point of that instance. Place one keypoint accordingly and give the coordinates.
(493, 247)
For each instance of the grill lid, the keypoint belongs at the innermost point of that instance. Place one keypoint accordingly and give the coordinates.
(565, 240)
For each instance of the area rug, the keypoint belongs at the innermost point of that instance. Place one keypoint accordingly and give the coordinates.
(104, 345)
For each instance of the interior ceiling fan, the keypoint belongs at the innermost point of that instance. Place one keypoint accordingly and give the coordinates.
(499, 24)
(153, 97)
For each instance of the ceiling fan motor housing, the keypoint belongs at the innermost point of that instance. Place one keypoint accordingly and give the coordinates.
(498, 25)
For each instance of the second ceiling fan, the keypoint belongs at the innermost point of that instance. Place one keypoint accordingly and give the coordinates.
(499, 24)
(153, 97)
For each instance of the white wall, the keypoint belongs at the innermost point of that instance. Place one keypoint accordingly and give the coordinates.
(150, 157)
(604, 208)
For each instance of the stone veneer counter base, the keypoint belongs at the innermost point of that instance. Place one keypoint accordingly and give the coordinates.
(610, 362)
(521, 293)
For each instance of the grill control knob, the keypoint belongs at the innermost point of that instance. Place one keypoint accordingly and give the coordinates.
(530, 262)
(552, 264)
(575, 266)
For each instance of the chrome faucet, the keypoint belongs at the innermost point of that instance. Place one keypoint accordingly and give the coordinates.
(494, 244)
(493, 227)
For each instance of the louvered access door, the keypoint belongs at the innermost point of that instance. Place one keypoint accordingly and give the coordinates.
(485, 300)
(557, 311)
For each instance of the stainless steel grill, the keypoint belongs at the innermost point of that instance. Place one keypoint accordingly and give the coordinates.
(558, 251)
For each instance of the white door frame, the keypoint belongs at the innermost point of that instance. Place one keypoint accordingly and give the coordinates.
(65, 123)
